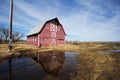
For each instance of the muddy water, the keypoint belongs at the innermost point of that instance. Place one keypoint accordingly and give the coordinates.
(39, 66)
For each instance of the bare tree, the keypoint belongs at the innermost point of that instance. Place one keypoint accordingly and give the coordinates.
(17, 36)
(5, 33)
(1, 36)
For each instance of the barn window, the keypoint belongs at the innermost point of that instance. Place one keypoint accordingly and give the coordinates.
(61, 39)
(56, 28)
(56, 25)
(53, 27)
(53, 34)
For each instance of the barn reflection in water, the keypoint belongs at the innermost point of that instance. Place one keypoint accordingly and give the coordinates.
(39, 66)
(51, 62)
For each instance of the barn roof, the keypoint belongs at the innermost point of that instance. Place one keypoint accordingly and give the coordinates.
(38, 28)
(35, 30)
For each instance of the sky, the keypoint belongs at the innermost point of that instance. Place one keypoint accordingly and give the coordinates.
(82, 20)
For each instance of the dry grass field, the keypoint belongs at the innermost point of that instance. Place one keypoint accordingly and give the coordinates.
(93, 65)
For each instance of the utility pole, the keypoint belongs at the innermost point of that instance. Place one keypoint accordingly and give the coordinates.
(10, 25)
(10, 68)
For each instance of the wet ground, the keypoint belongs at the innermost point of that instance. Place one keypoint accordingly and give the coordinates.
(39, 66)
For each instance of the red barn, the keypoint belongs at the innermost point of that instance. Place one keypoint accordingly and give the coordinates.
(49, 34)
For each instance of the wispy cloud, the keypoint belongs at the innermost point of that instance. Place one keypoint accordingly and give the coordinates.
(38, 12)
(83, 20)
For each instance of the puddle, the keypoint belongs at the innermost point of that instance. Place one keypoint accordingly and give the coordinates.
(104, 52)
(109, 51)
(114, 51)
(43, 66)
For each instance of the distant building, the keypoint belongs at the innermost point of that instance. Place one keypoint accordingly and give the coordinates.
(49, 34)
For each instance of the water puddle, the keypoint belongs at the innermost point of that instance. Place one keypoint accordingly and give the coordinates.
(114, 51)
(109, 51)
(40, 66)
(104, 52)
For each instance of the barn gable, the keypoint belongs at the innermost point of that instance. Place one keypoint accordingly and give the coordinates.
(40, 27)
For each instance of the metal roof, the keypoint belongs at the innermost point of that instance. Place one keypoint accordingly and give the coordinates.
(35, 30)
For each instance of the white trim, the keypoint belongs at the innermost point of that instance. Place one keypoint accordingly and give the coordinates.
(35, 39)
(38, 41)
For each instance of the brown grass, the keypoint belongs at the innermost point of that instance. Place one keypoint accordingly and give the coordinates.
(82, 47)
(20, 48)
(92, 66)
(96, 66)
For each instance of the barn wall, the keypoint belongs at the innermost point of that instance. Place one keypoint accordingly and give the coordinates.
(45, 37)
(33, 40)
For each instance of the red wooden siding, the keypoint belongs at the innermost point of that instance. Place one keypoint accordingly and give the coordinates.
(32, 40)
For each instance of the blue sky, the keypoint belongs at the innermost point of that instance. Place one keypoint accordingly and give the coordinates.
(83, 20)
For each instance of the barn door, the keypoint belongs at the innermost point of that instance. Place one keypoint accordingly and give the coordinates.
(53, 42)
